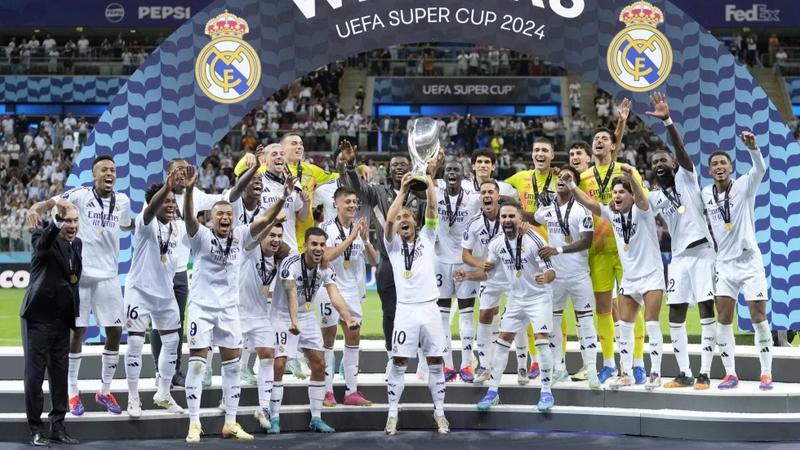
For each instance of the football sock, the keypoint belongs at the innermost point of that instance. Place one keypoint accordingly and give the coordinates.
(133, 365)
(351, 356)
(588, 340)
(680, 346)
(656, 342)
(727, 347)
(330, 362)
(545, 363)
(231, 387)
(72, 373)
(556, 342)
(605, 334)
(265, 377)
(394, 388)
(499, 363)
(466, 329)
(167, 361)
(316, 394)
(110, 359)
(436, 386)
(482, 343)
(763, 342)
(194, 386)
(626, 347)
(276, 400)
(708, 338)
(638, 340)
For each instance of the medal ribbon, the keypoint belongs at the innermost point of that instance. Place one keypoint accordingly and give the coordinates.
(627, 226)
(225, 253)
(266, 279)
(103, 219)
(349, 250)
(452, 215)
(253, 217)
(163, 245)
(545, 191)
(308, 290)
(408, 257)
(493, 232)
(564, 223)
(725, 210)
(673, 196)
(603, 184)
(518, 257)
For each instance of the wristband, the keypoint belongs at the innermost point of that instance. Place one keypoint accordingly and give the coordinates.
(667, 121)
(560, 250)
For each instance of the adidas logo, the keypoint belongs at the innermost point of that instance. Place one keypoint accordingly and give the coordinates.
(592, 346)
(654, 353)
(119, 321)
(623, 352)
(391, 393)
(760, 295)
(133, 364)
(440, 391)
(710, 294)
(723, 354)
(544, 327)
(235, 395)
(765, 350)
(708, 349)
(191, 397)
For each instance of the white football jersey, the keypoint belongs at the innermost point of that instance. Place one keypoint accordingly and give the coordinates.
(523, 287)
(215, 274)
(292, 269)
(323, 195)
(256, 272)
(201, 202)
(99, 228)
(471, 185)
(452, 226)
(577, 220)
(741, 203)
(644, 254)
(294, 203)
(242, 215)
(690, 226)
(351, 280)
(148, 272)
(421, 286)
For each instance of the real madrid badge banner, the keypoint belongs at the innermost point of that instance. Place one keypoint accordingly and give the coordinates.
(233, 54)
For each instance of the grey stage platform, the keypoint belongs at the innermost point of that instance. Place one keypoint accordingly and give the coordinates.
(741, 414)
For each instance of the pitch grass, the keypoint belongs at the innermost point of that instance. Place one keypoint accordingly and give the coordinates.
(10, 300)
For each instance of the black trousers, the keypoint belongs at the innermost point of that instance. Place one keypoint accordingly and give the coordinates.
(181, 290)
(46, 346)
(388, 295)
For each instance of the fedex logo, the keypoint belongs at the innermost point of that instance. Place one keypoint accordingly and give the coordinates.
(758, 13)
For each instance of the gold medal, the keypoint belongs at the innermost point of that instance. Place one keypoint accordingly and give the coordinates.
(407, 274)
(568, 239)
(729, 227)
(681, 209)
(164, 258)
(265, 290)
(347, 265)
(101, 231)
(447, 228)
(73, 279)
(519, 274)
(627, 247)
(308, 306)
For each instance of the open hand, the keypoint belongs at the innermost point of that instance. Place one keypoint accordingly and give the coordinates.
(660, 107)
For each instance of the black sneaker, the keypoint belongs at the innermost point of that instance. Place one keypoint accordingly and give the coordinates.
(680, 381)
(702, 382)
(179, 379)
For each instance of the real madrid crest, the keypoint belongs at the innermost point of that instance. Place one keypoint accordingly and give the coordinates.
(227, 69)
(640, 57)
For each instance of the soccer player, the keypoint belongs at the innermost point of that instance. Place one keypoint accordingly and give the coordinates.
(530, 300)
(455, 206)
(691, 272)
(413, 259)
(257, 273)
(536, 188)
(480, 231)
(483, 166)
(579, 158)
(149, 296)
(213, 311)
(634, 227)
(104, 214)
(604, 265)
(378, 198)
(297, 204)
(730, 205)
(347, 250)
(301, 276)
(570, 229)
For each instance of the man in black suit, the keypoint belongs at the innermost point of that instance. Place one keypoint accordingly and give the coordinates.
(48, 313)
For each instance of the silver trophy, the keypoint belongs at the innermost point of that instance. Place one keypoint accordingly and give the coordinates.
(423, 144)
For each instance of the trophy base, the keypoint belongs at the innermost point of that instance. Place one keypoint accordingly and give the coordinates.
(418, 184)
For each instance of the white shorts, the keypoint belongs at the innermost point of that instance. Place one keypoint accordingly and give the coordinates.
(636, 288)
(449, 287)
(490, 295)
(103, 298)
(744, 274)
(578, 288)
(691, 276)
(286, 343)
(329, 316)
(214, 327)
(418, 325)
(257, 332)
(537, 311)
(142, 309)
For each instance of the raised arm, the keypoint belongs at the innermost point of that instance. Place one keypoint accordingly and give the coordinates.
(267, 218)
(394, 208)
(43, 239)
(430, 207)
(245, 178)
(580, 196)
(639, 196)
(305, 211)
(366, 192)
(332, 253)
(373, 256)
(624, 111)
(189, 214)
(158, 199)
(661, 111)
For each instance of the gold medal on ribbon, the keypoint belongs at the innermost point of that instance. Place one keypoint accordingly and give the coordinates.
(100, 231)
(729, 227)
(568, 239)
(681, 209)
(265, 290)
(164, 258)
(73, 279)
(519, 274)
(308, 306)
(347, 264)
(627, 247)
(407, 274)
